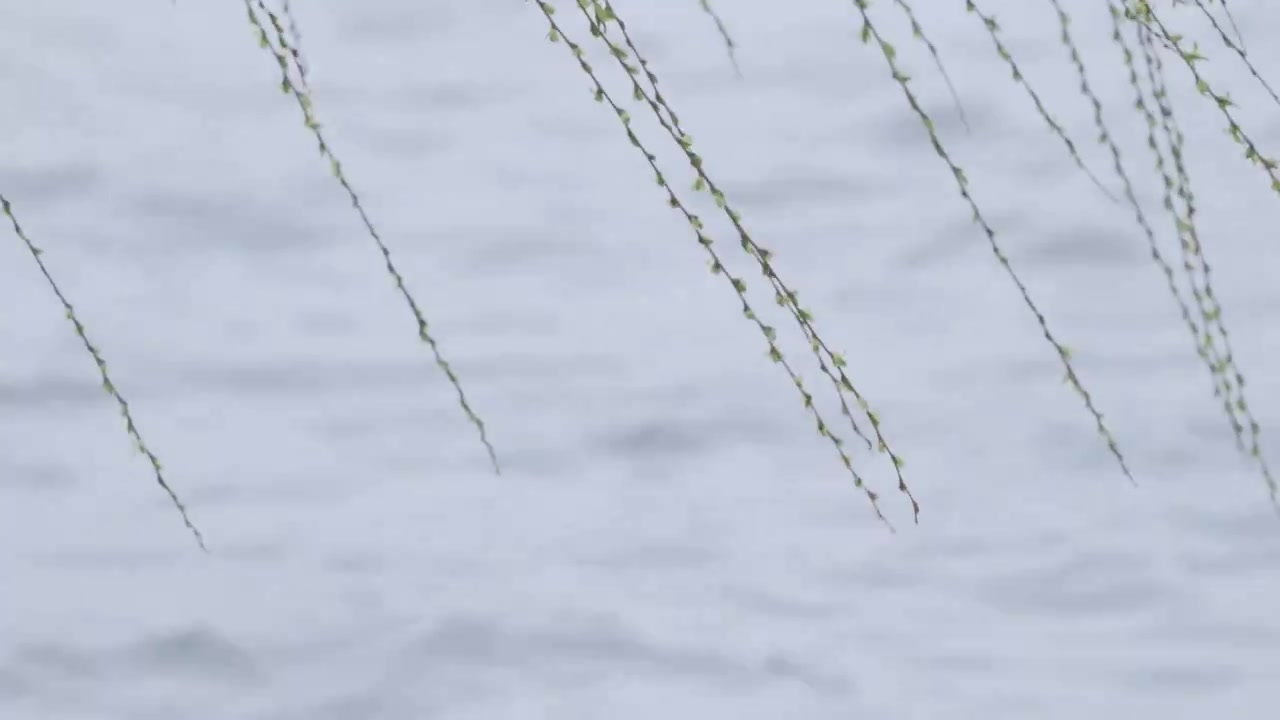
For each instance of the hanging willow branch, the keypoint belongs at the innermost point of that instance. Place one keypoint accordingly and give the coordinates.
(130, 426)
(730, 46)
(287, 56)
(871, 33)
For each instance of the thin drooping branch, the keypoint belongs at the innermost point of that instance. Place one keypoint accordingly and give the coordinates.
(730, 46)
(1237, 48)
(831, 364)
(1196, 263)
(598, 15)
(130, 426)
(286, 56)
(871, 33)
(917, 30)
(993, 29)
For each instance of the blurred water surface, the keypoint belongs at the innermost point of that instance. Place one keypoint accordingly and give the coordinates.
(670, 538)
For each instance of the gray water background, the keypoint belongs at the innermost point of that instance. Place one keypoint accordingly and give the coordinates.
(670, 537)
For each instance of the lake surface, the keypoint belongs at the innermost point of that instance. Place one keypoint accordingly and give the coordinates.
(669, 537)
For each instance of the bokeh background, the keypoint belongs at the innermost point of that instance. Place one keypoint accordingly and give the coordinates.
(670, 537)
